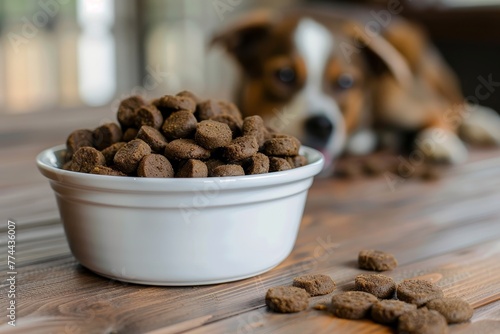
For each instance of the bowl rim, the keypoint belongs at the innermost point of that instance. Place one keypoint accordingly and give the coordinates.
(47, 163)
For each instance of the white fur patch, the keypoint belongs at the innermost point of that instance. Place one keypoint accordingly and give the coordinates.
(315, 44)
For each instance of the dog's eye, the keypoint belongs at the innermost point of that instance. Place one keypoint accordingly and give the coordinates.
(345, 81)
(285, 75)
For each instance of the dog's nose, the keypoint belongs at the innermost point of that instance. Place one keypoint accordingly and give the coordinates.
(319, 127)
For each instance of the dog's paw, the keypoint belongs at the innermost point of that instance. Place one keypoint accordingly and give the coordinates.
(482, 127)
(362, 142)
(440, 145)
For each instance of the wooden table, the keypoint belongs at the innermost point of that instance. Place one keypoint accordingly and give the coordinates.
(447, 231)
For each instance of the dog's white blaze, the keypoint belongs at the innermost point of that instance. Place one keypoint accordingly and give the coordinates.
(315, 43)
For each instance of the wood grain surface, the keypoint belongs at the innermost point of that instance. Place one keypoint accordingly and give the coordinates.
(447, 231)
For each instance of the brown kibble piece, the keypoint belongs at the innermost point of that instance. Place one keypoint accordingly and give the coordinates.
(227, 170)
(153, 138)
(229, 108)
(110, 151)
(212, 163)
(418, 292)
(127, 110)
(376, 260)
(455, 310)
(297, 161)
(149, 115)
(257, 164)
(184, 149)
(128, 157)
(278, 164)
(380, 286)
(287, 299)
(191, 95)
(178, 102)
(77, 139)
(181, 124)
(208, 109)
(130, 134)
(282, 146)
(85, 159)
(106, 135)
(352, 304)
(241, 148)
(155, 165)
(388, 311)
(234, 123)
(315, 285)
(254, 126)
(193, 168)
(422, 321)
(104, 170)
(212, 134)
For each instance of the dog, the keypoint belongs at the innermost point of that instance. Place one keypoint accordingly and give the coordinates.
(340, 83)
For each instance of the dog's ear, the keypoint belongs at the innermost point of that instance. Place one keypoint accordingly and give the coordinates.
(380, 54)
(243, 39)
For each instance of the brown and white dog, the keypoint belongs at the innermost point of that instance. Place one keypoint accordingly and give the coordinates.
(327, 78)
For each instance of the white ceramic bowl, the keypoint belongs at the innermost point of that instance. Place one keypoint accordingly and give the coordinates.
(180, 231)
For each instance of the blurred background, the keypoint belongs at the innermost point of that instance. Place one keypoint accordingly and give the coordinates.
(63, 55)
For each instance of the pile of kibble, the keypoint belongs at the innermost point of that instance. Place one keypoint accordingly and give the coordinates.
(181, 136)
(414, 306)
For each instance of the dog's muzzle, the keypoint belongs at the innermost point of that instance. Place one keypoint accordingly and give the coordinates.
(319, 129)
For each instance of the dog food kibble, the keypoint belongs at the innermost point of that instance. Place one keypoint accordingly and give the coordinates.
(257, 164)
(455, 310)
(178, 102)
(315, 285)
(422, 321)
(106, 135)
(191, 95)
(376, 260)
(282, 146)
(234, 123)
(181, 136)
(127, 111)
(180, 149)
(297, 161)
(352, 304)
(85, 159)
(229, 108)
(110, 152)
(433, 316)
(241, 148)
(278, 164)
(254, 126)
(388, 311)
(128, 157)
(130, 134)
(417, 291)
(148, 115)
(212, 163)
(153, 138)
(208, 109)
(193, 168)
(155, 165)
(287, 299)
(77, 139)
(212, 134)
(104, 170)
(181, 124)
(228, 170)
(380, 286)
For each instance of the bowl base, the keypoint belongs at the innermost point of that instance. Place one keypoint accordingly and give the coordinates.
(185, 282)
